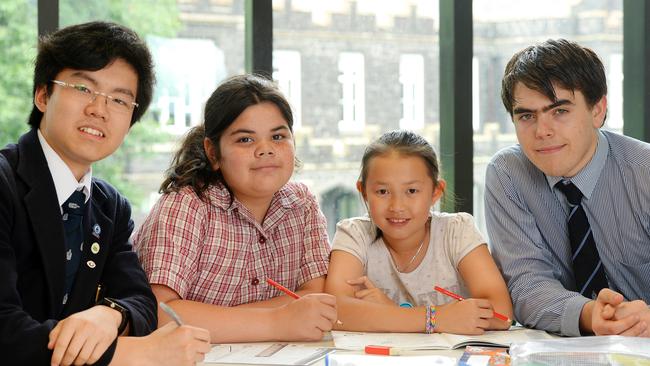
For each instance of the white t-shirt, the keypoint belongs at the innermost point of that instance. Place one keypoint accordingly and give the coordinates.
(452, 236)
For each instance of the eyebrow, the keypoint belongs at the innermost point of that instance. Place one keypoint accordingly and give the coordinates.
(404, 183)
(84, 75)
(547, 108)
(244, 130)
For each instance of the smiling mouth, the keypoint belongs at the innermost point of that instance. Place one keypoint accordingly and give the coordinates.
(91, 131)
(550, 149)
(268, 167)
(397, 221)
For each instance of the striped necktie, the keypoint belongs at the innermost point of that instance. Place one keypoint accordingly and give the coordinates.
(587, 267)
(73, 212)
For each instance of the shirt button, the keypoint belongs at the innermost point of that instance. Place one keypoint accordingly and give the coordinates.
(262, 240)
(255, 281)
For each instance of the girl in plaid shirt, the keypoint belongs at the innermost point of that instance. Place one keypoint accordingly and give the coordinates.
(229, 219)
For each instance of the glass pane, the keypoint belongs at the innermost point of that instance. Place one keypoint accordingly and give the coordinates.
(353, 70)
(18, 38)
(503, 27)
(195, 45)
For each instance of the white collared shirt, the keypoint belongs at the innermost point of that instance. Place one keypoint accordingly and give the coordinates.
(65, 182)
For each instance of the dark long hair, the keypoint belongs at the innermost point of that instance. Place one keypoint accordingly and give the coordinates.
(92, 46)
(190, 165)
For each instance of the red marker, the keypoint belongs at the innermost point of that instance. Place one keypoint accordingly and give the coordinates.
(460, 298)
(383, 350)
(289, 292)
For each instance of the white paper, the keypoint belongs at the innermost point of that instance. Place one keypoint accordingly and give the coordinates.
(358, 340)
(266, 354)
(339, 359)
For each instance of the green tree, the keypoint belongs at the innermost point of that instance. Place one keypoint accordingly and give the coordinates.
(18, 46)
(147, 17)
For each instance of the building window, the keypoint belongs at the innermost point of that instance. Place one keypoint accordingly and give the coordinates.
(615, 93)
(352, 79)
(185, 79)
(287, 72)
(411, 76)
(476, 92)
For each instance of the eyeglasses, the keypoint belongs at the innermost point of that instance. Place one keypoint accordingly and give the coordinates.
(118, 105)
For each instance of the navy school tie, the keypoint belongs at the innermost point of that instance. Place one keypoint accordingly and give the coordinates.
(73, 212)
(587, 267)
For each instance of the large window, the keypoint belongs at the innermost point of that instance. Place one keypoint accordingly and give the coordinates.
(352, 69)
(195, 45)
(366, 67)
(502, 27)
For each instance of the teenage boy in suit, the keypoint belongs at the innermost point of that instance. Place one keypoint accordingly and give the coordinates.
(71, 288)
(567, 208)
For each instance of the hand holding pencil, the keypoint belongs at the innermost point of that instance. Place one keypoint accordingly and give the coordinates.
(460, 298)
(467, 316)
(306, 318)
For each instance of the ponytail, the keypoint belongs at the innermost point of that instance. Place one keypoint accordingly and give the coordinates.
(190, 166)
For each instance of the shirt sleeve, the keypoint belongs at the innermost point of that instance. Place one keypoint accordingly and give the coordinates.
(539, 298)
(315, 261)
(169, 241)
(352, 236)
(462, 236)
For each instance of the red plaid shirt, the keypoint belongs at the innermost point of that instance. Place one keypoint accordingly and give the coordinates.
(215, 252)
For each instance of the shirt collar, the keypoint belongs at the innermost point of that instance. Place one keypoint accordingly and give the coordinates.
(587, 178)
(64, 181)
(221, 197)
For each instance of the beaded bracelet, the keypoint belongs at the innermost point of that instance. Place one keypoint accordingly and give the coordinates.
(430, 321)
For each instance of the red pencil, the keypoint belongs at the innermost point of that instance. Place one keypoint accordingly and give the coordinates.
(282, 288)
(289, 292)
(460, 298)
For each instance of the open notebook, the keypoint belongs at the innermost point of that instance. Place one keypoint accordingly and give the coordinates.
(415, 341)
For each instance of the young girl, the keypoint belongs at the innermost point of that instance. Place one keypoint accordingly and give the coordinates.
(383, 268)
(229, 219)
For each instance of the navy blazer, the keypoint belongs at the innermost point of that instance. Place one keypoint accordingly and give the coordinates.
(32, 257)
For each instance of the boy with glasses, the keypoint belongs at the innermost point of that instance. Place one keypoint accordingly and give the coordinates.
(71, 289)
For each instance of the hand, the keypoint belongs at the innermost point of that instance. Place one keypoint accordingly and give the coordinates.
(171, 345)
(612, 315)
(470, 316)
(83, 337)
(629, 308)
(367, 291)
(307, 318)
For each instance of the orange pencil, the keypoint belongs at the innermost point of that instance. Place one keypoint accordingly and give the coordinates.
(282, 288)
(289, 292)
(460, 298)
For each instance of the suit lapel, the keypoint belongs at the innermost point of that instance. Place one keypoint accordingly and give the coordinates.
(43, 208)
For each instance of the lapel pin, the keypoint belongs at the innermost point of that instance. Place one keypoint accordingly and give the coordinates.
(97, 230)
(91, 264)
(94, 248)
